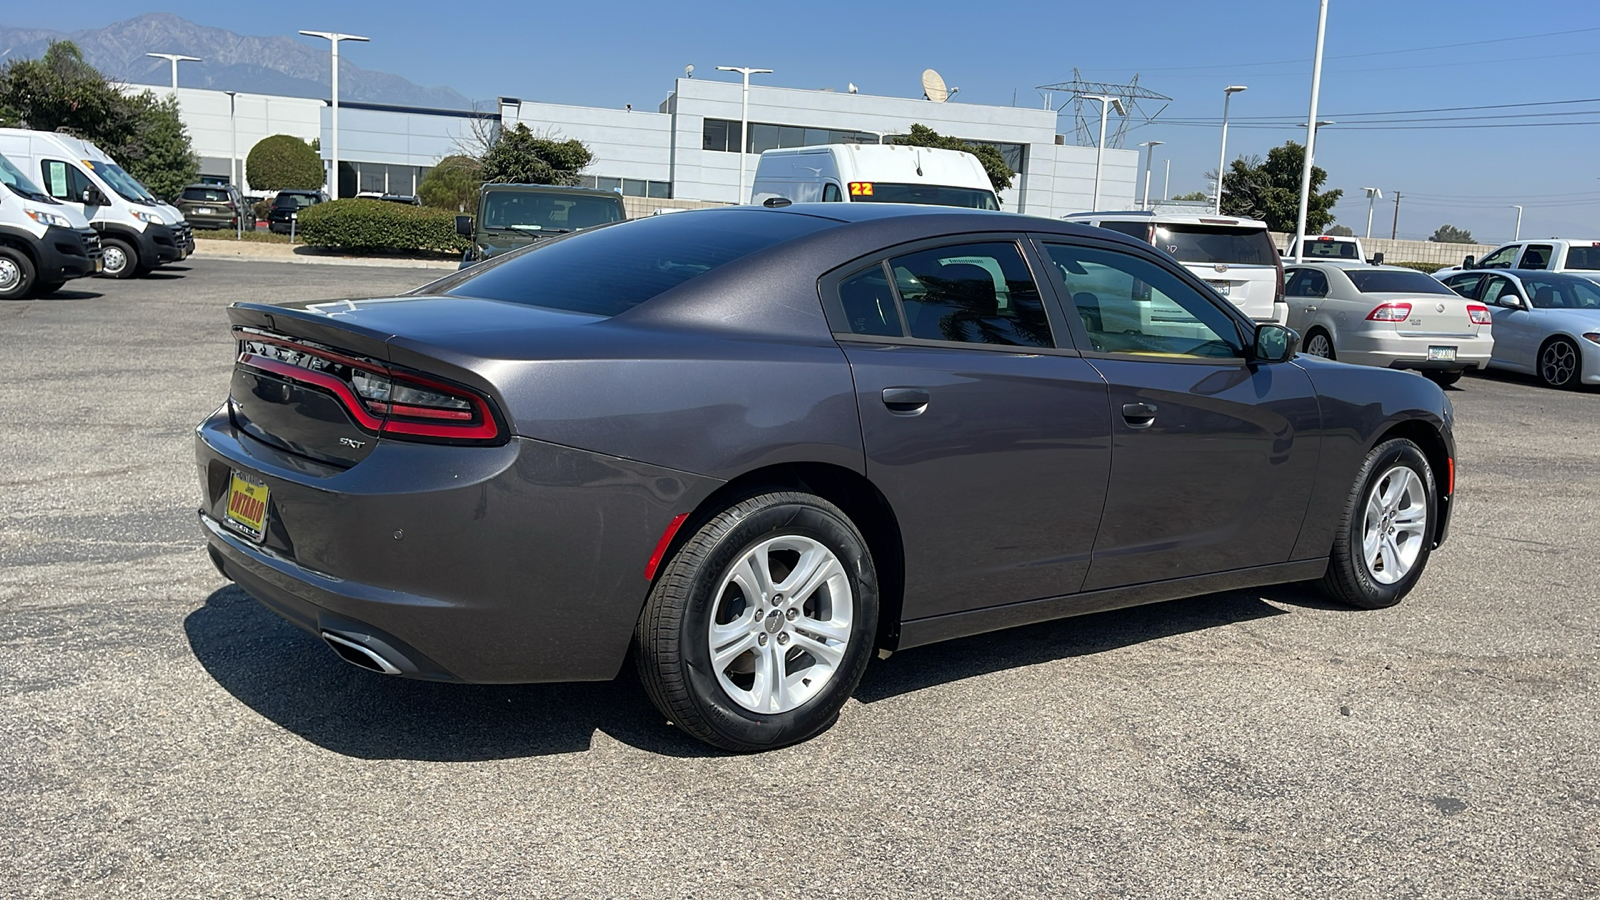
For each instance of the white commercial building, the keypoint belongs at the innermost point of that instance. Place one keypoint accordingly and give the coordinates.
(685, 150)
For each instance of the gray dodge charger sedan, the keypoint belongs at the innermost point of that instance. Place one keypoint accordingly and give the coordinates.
(760, 445)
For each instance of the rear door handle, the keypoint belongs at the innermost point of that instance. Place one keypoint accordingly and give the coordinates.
(905, 401)
(1139, 415)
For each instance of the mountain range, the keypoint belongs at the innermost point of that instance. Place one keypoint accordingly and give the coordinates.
(280, 65)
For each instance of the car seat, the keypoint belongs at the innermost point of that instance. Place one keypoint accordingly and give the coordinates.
(1547, 298)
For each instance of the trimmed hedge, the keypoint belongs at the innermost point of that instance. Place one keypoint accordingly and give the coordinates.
(364, 224)
(1429, 268)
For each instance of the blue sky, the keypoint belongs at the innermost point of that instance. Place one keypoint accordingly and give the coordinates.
(609, 53)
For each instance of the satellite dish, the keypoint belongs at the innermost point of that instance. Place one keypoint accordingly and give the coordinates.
(933, 87)
(688, 71)
(853, 88)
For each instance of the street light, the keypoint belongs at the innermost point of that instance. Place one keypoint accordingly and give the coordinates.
(333, 38)
(1373, 194)
(1106, 101)
(233, 162)
(174, 58)
(1148, 156)
(744, 117)
(1222, 158)
(1311, 133)
(1518, 235)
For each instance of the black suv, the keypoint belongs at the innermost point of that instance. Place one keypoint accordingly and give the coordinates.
(287, 204)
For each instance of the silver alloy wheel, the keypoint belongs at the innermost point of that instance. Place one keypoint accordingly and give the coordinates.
(780, 623)
(115, 259)
(10, 275)
(1395, 524)
(1558, 363)
(1319, 345)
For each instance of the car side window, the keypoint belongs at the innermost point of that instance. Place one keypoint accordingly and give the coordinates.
(1500, 259)
(1498, 291)
(831, 193)
(1131, 305)
(1314, 285)
(64, 181)
(1465, 285)
(868, 303)
(1537, 256)
(980, 293)
(1139, 231)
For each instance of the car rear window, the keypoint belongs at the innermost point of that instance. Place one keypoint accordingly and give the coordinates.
(1383, 281)
(530, 211)
(1583, 257)
(293, 201)
(1315, 249)
(612, 269)
(1217, 244)
(208, 195)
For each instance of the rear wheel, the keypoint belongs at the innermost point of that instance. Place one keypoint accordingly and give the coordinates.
(1559, 364)
(760, 627)
(122, 261)
(1318, 343)
(1442, 378)
(16, 274)
(1386, 531)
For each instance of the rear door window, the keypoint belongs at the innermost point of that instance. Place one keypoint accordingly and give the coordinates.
(1537, 256)
(1211, 244)
(979, 293)
(1587, 258)
(868, 303)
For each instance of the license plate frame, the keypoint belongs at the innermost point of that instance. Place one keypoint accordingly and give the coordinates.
(204, 211)
(249, 502)
(1442, 354)
(1221, 287)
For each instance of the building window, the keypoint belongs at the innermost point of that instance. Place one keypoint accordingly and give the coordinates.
(628, 187)
(723, 135)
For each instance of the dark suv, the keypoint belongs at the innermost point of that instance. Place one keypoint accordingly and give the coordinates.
(215, 206)
(516, 215)
(287, 204)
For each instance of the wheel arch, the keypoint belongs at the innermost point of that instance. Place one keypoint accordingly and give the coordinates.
(1436, 451)
(27, 247)
(853, 493)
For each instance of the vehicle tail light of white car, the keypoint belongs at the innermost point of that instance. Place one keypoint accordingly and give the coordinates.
(1479, 314)
(1390, 312)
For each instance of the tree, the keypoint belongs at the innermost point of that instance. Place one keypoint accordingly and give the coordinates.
(1270, 190)
(452, 184)
(994, 164)
(158, 153)
(1192, 195)
(1449, 234)
(518, 156)
(284, 162)
(1340, 231)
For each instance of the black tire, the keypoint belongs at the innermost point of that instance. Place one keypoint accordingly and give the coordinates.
(17, 276)
(1443, 378)
(674, 656)
(1315, 333)
(1560, 364)
(115, 249)
(1348, 579)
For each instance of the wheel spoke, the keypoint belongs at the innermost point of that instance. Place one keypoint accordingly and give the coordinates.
(1375, 511)
(773, 673)
(754, 577)
(826, 654)
(829, 629)
(1411, 518)
(1391, 557)
(727, 653)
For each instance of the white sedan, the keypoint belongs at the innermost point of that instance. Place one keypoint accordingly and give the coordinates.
(1388, 316)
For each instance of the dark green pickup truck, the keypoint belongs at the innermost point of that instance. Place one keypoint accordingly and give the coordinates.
(516, 215)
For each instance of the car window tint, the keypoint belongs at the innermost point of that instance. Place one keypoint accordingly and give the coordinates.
(868, 303)
(831, 193)
(1139, 231)
(1537, 256)
(1388, 281)
(1465, 285)
(1495, 288)
(1293, 278)
(609, 270)
(1586, 258)
(1562, 293)
(977, 293)
(1330, 249)
(1131, 305)
(1315, 284)
(1210, 244)
(1500, 258)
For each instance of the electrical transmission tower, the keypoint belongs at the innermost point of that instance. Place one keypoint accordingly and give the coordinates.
(1086, 124)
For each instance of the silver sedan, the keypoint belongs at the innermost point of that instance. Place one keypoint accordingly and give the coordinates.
(1545, 323)
(1388, 316)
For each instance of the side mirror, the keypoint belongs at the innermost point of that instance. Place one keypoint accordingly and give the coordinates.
(1377, 258)
(91, 196)
(1275, 343)
(464, 226)
(1470, 262)
(1513, 300)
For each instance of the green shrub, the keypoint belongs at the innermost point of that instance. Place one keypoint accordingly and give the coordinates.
(1430, 268)
(262, 208)
(365, 225)
(283, 162)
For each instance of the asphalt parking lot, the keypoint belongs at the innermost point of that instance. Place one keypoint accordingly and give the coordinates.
(161, 735)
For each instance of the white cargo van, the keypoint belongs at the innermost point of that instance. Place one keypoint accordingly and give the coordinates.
(43, 244)
(873, 173)
(1233, 255)
(137, 231)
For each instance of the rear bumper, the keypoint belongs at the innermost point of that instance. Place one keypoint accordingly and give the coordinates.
(1403, 352)
(517, 563)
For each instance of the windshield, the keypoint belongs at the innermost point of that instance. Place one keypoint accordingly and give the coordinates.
(554, 213)
(1217, 244)
(1583, 257)
(207, 194)
(927, 194)
(1563, 293)
(1388, 281)
(1315, 249)
(19, 184)
(121, 182)
(611, 270)
(294, 201)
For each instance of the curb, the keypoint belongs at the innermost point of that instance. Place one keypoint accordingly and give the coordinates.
(285, 253)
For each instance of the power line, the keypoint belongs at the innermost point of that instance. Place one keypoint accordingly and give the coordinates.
(1402, 112)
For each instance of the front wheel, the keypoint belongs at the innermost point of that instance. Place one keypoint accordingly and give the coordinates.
(122, 260)
(1559, 364)
(1386, 531)
(16, 274)
(760, 627)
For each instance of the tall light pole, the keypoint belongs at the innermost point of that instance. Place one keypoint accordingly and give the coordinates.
(174, 58)
(1311, 132)
(334, 38)
(1148, 156)
(1373, 194)
(1106, 102)
(1517, 236)
(744, 116)
(233, 162)
(1166, 182)
(1222, 158)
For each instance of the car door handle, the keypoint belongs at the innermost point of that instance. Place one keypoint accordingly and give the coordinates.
(1139, 415)
(905, 401)
(1311, 309)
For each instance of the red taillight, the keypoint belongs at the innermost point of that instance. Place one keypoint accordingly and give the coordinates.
(1390, 312)
(1480, 314)
(661, 545)
(379, 397)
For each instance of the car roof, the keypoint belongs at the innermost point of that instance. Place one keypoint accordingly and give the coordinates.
(548, 189)
(1136, 215)
(1347, 265)
(1534, 273)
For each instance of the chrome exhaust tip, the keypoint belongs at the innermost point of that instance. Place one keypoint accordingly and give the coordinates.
(359, 655)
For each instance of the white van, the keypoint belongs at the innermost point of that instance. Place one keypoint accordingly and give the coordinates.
(43, 243)
(137, 231)
(1233, 255)
(873, 173)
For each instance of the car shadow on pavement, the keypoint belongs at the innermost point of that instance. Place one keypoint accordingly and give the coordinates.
(291, 678)
(71, 294)
(924, 667)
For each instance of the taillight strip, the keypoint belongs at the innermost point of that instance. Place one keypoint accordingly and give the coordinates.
(329, 355)
(320, 379)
